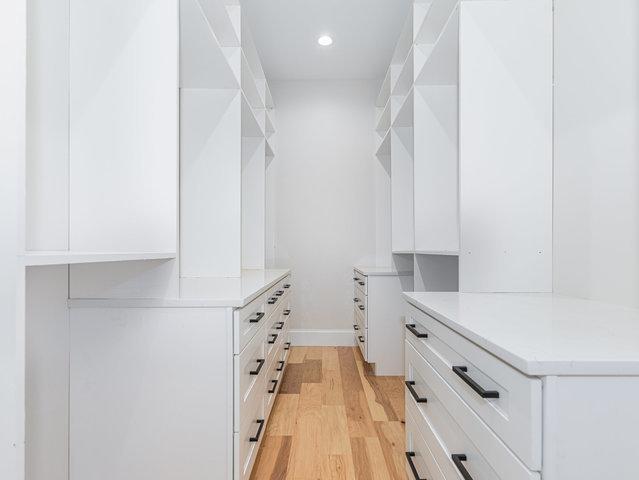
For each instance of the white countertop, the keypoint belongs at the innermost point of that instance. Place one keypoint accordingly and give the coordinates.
(202, 292)
(542, 334)
(380, 271)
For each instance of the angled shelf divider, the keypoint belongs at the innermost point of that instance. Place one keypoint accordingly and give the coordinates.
(204, 63)
(250, 124)
(30, 259)
(224, 20)
(384, 147)
(442, 65)
(404, 81)
(384, 121)
(435, 17)
(405, 114)
(250, 86)
(385, 90)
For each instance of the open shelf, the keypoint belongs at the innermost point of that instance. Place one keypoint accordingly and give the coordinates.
(449, 253)
(405, 114)
(385, 145)
(269, 128)
(249, 85)
(269, 149)
(268, 96)
(385, 90)
(405, 78)
(442, 65)
(250, 125)
(384, 122)
(438, 12)
(203, 61)
(224, 20)
(405, 41)
(69, 257)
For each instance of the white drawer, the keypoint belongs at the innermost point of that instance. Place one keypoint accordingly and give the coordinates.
(249, 372)
(420, 462)
(360, 301)
(272, 385)
(515, 416)
(361, 338)
(450, 427)
(360, 282)
(248, 440)
(247, 321)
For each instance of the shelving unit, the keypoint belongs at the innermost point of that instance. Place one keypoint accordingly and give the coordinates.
(427, 191)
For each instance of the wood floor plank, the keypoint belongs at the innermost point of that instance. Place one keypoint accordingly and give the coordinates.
(297, 355)
(333, 420)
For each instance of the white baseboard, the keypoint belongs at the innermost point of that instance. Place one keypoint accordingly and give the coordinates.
(322, 338)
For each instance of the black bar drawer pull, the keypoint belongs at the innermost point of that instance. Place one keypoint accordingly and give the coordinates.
(280, 327)
(457, 460)
(287, 312)
(272, 300)
(411, 388)
(273, 339)
(287, 345)
(258, 316)
(356, 300)
(288, 285)
(257, 436)
(281, 367)
(356, 279)
(362, 283)
(260, 364)
(279, 293)
(411, 328)
(409, 457)
(355, 327)
(361, 339)
(361, 307)
(272, 390)
(479, 390)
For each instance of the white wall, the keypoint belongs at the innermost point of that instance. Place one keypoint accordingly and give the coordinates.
(596, 239)
(322, 194)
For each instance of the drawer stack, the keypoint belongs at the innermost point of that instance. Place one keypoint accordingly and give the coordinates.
(360, 312)
(262, 344)
(468, 414)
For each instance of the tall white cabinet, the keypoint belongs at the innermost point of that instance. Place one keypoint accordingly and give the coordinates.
(464, 128)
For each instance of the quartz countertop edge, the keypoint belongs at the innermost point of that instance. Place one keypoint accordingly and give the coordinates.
(591, 354)
(381, 271)
(199, 292)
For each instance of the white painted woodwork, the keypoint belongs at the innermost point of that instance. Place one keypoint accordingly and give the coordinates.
(435, 273)
(210, 175)
(582, 352)
(253, 203)
(47, 373)
(123, 126)
(402, 189)
(47, 102)
(506, 146)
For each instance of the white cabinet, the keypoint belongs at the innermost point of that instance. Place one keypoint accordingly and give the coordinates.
(378, 323)
(521, 386)
(175, 389)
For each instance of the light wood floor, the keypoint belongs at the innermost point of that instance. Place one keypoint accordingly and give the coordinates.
(333, 421)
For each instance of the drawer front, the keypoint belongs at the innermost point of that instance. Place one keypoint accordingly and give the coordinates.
(360, 301)
(250, 370)
(247, 322)
(248, 441)
(515, 416)
(360, 282)
(272, 385)
(450, 427)
(361, 336)
(420, 461)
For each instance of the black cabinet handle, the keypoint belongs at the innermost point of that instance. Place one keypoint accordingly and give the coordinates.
(356, 279)
(356, 300)
(287, 312)
(260, 364)
(287, 345)
(257, 436)
(361, 339)
(457, 460)
(288, 285)
(355, 327)
(272, 300)
(272, 390)
(281, 367)
(258, 316)
(281, 325)
(411, 328)
(279, 293)
(361, 307)
(411, 388)
(479, 390)
(409, 457)
(362, 283)
(274, 339)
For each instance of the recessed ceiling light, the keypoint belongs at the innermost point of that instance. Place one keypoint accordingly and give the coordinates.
(325, 40)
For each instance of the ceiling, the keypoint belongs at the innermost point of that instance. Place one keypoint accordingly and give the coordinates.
(364, 34)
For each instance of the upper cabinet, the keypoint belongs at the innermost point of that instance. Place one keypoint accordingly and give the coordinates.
(102, 131)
